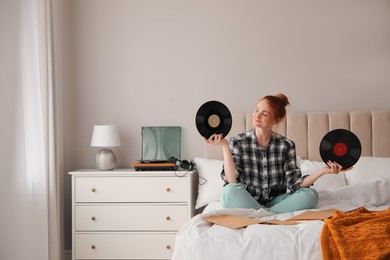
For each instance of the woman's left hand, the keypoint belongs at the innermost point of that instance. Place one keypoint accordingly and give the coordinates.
(335, 168)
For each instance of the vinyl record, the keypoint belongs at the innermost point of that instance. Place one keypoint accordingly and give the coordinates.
(341, 146)
(213, 117)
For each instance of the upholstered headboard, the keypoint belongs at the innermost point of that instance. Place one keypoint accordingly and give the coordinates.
(307, 129)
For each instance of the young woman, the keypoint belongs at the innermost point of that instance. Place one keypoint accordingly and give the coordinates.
(260, 168)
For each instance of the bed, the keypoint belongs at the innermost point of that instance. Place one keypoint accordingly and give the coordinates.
(363, 190)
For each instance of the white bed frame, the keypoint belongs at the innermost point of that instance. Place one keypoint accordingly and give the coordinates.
(199, 240)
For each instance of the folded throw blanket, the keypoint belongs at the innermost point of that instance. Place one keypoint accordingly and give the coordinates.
(359, 234)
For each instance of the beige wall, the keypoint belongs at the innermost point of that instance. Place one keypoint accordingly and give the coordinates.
(148, 62)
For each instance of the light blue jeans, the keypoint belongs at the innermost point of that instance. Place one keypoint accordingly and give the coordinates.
(236, 196)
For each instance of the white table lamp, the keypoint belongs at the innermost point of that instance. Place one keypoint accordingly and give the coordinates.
(105, 136)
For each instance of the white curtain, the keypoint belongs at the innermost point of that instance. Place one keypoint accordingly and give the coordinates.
(31, 131)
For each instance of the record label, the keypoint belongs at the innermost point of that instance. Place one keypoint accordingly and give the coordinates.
(340, 149)
(214, 121)
(213, 117)
(341, 146)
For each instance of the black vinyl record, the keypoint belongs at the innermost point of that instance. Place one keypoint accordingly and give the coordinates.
(341, 146)
(213, 117)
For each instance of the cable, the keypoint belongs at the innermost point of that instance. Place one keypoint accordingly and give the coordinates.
(186, 172)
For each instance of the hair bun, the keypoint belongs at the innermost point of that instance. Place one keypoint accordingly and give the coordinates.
(283, 98)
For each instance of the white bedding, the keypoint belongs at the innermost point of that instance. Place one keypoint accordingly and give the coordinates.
(201, 240)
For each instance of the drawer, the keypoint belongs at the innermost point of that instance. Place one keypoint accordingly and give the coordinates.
(130, 217)
(124, 245)
(131, 189)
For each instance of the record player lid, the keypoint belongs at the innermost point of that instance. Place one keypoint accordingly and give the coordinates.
(159, 143)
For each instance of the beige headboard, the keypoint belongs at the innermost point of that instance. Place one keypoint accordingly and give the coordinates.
(308, 129)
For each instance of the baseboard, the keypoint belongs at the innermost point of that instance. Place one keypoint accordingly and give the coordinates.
(67, 254)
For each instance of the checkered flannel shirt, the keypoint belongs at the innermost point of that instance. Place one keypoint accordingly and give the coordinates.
(266, 172)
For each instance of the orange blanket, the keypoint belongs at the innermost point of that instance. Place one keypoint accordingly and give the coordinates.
(359, 234)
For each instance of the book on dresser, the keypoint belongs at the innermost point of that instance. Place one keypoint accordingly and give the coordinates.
(127, 214)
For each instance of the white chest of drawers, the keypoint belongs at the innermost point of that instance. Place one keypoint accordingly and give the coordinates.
(127, 214)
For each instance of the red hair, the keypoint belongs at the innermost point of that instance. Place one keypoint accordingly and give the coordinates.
(278, 104)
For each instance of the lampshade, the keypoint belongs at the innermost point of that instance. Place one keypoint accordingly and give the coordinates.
(105, 136)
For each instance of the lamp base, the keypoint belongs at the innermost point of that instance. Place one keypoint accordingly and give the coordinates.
(105, 160)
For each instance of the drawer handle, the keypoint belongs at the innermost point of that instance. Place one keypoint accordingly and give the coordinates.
(168, 189)
(93, 189)
(168, 247)
(93, 218)
(93, 246)
(168, 218)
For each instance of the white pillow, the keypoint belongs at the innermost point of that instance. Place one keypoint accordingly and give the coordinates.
(325, 182)
(310, 165)
(368, 168)
(300, 160)
(210, 181)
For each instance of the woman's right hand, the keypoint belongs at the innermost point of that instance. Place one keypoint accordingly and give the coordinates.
(216, 139)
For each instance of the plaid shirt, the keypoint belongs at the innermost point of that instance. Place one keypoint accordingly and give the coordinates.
(266, 172)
